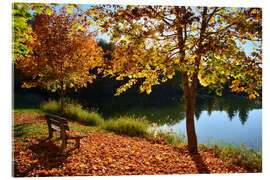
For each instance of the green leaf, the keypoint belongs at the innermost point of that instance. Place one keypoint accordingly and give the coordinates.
(39, 8)
(75, 26)
(49, 11)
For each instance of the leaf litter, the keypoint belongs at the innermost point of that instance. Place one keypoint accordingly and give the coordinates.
(108, 154)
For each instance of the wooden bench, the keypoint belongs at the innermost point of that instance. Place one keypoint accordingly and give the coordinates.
(58, 123)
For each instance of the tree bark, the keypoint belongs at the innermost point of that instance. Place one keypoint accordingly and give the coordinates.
(190, 94)
(62, 103)
(190, 87)
(61, 94)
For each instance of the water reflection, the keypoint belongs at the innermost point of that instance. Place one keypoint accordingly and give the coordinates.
(167, 111)
(232, 106)
(174, 114)
(231, 119)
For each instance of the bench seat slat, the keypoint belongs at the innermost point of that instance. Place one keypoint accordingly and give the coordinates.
(57, 123)
(56, 117)
(55, 127)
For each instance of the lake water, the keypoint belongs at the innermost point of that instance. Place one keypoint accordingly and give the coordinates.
(232, 120)
(217, 126)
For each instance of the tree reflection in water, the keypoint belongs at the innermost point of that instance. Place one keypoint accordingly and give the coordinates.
(164, 110)
(233, 106)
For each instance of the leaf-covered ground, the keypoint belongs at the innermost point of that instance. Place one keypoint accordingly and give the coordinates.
(106, 154)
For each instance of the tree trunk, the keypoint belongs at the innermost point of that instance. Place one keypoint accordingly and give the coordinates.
(190, 88)
(191, 134)
(61, 94)
(62, 103)
(189, 94)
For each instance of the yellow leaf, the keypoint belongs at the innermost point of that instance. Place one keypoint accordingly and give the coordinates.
(98, 23)
(81, 26)
(252, 96)
(170, 76)
(110, 160)
(148, 90)
(82, 165)
(22, 152)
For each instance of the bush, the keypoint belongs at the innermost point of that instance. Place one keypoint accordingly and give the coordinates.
(130, 126)
(51, 107)
(74, 112)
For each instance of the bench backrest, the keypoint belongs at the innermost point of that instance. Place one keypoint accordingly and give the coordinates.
(57, 121)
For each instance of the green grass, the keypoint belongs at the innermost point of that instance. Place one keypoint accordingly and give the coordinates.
(23, 131)
(51, 106)
(83, 129)
(127, 125)
(20, 111)
(241, 155)
(74, 112)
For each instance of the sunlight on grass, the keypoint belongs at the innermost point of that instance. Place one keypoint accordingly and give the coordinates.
(128, 125)
(167, 135)
(74, 112)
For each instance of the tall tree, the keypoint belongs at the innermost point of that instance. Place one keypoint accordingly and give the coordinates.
(22, 14)
(62, 53)
(206, 44)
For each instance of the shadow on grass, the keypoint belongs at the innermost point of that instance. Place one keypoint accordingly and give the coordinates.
(47, 154)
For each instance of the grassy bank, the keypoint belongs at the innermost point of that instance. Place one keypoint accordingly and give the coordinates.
(140, 127)
(74, 112)
(241, 155)
(125, 125)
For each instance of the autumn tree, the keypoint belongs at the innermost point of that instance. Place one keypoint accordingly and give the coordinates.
(21, 16)
(206, 44)
(61, 54)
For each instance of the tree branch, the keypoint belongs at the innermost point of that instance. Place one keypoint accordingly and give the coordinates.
(211, 15)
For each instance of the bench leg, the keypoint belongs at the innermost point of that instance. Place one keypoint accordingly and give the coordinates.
(50, 131)
(77, 143)
(50, 134)
(64, 141)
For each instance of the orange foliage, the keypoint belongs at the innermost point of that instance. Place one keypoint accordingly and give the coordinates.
(61, 52)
